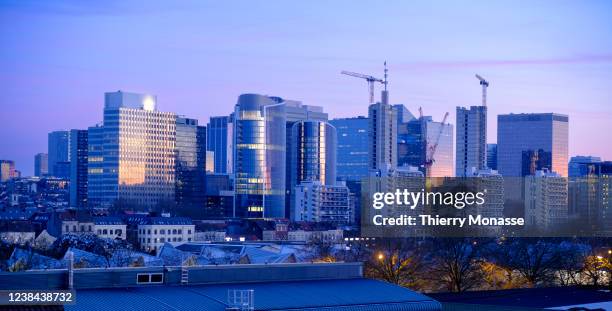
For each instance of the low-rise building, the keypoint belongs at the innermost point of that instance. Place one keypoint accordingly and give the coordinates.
(322, 235)
(110, 227)
(156, 231)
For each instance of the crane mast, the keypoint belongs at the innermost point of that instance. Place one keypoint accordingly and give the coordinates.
(485, 85)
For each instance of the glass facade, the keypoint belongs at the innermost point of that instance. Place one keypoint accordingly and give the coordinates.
(492, 156)
(58, 153)
(78, 168)
(136, 150)
(41, 167)
(416, 139)
(190, 162)
(217, 137)
(312, 155)
(259, 160)
(352, 148)
(524, 134)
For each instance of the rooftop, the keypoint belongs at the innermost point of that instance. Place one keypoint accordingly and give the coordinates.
(348, 294)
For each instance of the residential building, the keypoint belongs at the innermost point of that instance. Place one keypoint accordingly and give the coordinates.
(525, 141)
(190, 163)
(59, 154)
(134, 152)
(318, 202)
(78, 167)
(156, 231)
(545, 200)
(259, 157)
(471, 140)
(109, 227)
(41, 167)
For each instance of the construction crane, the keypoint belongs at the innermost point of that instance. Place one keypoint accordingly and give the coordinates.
(429, 161)
(485, 85)
(369, 79)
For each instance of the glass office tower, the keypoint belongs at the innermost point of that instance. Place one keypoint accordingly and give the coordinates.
(352, 148)
(312, 156)
(417, 139)
(217, 139)
(190, 163)
(41, 162)
(533, 137)
(78, 168)
(259, 157)
(58, 154)
(132, 159)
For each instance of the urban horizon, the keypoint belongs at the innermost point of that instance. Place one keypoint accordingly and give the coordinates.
(553, 76)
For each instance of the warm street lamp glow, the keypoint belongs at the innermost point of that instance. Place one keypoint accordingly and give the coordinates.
(381, 256)
(610, 252)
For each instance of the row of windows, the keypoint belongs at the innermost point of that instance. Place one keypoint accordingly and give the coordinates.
(163, 231)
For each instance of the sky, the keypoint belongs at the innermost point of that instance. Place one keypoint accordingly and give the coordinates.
(57, 58)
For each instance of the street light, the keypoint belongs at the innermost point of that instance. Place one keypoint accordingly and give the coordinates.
(381, 256)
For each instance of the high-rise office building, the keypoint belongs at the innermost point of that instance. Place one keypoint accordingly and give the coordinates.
(41, 167)
(525, 141)
(492, 156)
(382, 138)
(471, 140)
(7, 170)
(79, 147)
(259, 157)
(59, 154)
(352, 156)
(133, 153)
(582, 165)
(403, 114)
(190, 163)
(352, 148)
(217, 141)
(312, 156)
(297, 112)
(417, 138)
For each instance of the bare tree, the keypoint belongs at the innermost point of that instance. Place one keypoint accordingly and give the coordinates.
(536, 260)
(397, 261)
(456, 263)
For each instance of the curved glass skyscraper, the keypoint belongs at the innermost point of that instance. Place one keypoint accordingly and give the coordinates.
(259, 157)
(313, 154)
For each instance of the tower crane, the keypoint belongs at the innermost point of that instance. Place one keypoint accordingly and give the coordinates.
(369, 79)
(485, 85)
(429, 160)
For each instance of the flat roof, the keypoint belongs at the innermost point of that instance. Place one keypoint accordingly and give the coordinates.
(348, 294)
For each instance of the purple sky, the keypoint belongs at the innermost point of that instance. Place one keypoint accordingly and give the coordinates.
(58, 58)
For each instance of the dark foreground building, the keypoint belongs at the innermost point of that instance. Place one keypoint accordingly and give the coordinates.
(324, 286)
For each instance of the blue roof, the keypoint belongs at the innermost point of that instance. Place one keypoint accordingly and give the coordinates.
(347, 294)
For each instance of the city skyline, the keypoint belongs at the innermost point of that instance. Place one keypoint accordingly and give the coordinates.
(61, 60)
